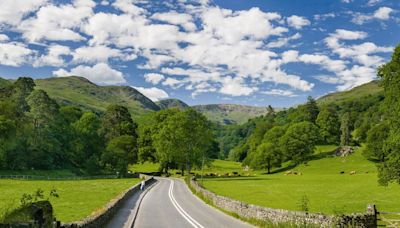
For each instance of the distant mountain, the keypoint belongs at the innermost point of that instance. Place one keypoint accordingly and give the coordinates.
(172, 103)
(230, 113)
(81, 92)
(370, 88)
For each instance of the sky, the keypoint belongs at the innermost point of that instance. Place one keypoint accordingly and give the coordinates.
(252, 52)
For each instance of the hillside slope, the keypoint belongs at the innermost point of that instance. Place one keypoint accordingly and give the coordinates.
(87, 95)
(230, 113)
(371, 88)
(172, 103)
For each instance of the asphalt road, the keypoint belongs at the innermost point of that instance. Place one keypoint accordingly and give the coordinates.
(170, 203)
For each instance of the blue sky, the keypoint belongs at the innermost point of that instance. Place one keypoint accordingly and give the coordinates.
(258, 52)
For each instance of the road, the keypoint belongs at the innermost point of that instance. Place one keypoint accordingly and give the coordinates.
(170, 203)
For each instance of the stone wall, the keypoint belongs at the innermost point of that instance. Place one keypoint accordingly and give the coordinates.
(279, 216)
(101, 219)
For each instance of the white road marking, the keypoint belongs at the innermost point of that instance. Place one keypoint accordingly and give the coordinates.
(184, 214)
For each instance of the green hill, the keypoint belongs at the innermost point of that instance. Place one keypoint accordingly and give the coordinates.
(81, 92)
(371, 88)
(4, 82)
(172, 103)
(230, 113)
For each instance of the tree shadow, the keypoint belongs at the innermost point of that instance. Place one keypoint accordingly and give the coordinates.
(321, 155)
(283, 169)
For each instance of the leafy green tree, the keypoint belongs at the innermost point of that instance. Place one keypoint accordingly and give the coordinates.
(184, 138)
(328, 122)
(22, 88)
(345, 130)
(146, 150)
(44, 145)
(117, 121)
(390, 78)
(299, 141)
(87, 143)
(120, 152)
(267, 156)
(71, 114)
(311, 109)
(376, 139)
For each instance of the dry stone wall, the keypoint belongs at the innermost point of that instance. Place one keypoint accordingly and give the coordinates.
(280, 216)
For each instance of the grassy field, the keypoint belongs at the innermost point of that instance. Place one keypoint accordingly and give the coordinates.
(327, 190)
(78, 199)
(217, 166)
(371, 88)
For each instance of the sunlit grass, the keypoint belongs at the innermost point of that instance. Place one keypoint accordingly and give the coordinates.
(78, 199)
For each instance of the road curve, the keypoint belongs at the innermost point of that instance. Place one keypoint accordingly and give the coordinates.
(170, 203)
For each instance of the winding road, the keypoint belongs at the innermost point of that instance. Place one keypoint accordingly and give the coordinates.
(170, 203)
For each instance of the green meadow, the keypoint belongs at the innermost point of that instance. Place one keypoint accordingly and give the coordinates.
(77, 199)
(328, 191)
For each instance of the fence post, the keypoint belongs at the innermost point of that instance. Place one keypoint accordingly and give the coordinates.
(371, 209)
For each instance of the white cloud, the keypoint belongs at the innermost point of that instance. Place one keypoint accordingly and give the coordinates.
(100, 73)
(57, 23)
(54, 57)
(322, 17)
(236, 87)
(343, 34)
(297, 22)
(12, 11)
(383, 13)
(280, 92)
(155, 94)
(127, 6)
(154, 78)
(15, 54)
(183, 19)
(373, 2)
(95, 54)
(232, 27)
(283, 41)
(4, 37)
(347, 1)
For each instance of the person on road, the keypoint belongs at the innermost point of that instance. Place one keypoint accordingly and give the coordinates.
(142, 185)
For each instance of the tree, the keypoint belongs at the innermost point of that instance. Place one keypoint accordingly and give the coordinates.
(44, 145)
(184, 138)
(345, 130)
(376, 138)
(22, 88)
(328, 122)
(311, 109)
(87, 143)
(299, 141)
(146, 151)
(117, 122)
(120, 152)
(389, 73)
(267, 156)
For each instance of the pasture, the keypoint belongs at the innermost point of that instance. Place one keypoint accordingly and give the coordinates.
(328, 189)
(77, 199)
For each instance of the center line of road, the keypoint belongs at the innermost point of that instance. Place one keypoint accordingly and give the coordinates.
(178, 207)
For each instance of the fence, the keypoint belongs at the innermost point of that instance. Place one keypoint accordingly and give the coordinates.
(389, 219)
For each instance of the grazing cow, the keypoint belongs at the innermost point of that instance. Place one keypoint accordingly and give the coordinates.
(353, 172)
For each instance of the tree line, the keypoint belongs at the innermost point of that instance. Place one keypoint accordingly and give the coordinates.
(38, 133)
